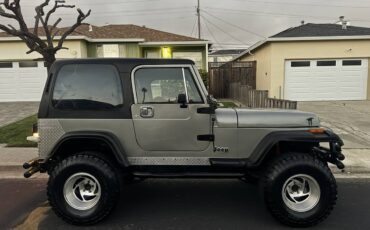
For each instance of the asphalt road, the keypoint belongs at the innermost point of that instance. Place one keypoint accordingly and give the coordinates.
(180, 204)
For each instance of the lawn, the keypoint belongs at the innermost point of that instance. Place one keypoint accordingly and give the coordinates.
(227, 104)
(14, 135)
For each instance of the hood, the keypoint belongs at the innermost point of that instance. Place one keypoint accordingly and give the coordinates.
(265, 118)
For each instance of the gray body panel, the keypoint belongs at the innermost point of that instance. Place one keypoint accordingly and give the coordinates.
(260, 118)
(169, 135)
(171, 128)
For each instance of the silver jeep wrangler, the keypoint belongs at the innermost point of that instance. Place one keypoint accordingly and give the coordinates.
(104, 122)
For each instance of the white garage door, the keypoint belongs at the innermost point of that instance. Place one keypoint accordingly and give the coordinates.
(314, 80)
(22, 81)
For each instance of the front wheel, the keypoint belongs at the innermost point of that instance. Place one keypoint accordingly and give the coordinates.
(299, 190)
(83, 189)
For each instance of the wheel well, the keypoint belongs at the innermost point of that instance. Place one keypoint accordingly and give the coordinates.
(287, 146)
(96, 146)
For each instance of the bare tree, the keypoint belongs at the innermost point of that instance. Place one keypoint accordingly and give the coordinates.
(34, 42)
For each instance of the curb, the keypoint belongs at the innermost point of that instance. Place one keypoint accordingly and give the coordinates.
(16, 172)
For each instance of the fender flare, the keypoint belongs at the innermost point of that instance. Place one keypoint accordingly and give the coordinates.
(266, 144)
(109, 138)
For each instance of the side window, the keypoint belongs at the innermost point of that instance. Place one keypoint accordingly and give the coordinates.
(159, 85)
(87, 87)
(193, 91)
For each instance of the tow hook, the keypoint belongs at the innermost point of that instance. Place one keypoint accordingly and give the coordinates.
(333, 155)
(33, 166)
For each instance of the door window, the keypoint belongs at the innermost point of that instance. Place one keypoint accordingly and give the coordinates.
(164, 84)
(159, 85)
(193, 91)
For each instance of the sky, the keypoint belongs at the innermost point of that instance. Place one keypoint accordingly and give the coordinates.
(226, 23)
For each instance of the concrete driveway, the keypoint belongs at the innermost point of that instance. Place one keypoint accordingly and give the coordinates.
(15, 111)
(349, 119)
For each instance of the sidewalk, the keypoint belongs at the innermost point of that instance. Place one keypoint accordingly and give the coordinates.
(12, 159)
(357, 162)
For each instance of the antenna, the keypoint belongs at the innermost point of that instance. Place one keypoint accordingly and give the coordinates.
(198, 14)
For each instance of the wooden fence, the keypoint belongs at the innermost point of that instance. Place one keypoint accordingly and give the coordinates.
(222, 74)
(253, 98)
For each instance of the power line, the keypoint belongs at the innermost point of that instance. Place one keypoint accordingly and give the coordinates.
(219, 28)
(210, 32)
(236, 26)
(192, 30)
(277, 14)
(98, 3)
(305, 4)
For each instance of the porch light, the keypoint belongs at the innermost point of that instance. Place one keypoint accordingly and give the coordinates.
(166, 52)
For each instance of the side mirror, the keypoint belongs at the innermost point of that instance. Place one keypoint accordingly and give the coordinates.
(181, 99)
(212, 102)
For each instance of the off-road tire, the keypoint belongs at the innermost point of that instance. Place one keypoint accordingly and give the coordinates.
(84, 162)
(286, 166)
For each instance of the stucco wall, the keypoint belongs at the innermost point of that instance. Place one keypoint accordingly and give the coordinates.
(16, 50)
(263, 71)
(278, 52)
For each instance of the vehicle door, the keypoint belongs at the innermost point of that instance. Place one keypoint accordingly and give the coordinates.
(165, 111)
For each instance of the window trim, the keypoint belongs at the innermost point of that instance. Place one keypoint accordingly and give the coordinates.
(7, 67)
(326, 61)
(356, 60)
(50, 92)
(29, 62)
(304, 66)
(190, 67)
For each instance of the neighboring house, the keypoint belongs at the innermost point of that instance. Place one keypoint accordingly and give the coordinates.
(22, 78)
(314, 62)
(224, 55)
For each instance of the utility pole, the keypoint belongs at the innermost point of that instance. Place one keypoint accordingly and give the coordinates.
(198, 14)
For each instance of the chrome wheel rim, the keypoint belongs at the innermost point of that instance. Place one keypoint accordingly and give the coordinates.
(301, 193)
(82, 191)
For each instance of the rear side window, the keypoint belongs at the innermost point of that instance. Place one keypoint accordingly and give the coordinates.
(87, 87)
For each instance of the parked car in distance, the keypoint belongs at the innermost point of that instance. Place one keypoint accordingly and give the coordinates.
(103, 122)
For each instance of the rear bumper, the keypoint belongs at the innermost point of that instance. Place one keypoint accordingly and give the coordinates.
(33, 166)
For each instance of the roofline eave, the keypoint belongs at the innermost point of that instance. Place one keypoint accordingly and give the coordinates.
(287, 39)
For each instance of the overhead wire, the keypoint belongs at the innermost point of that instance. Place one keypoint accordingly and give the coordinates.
(228, 34)
(233, 25)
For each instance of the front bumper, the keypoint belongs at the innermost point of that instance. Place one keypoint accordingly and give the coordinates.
(33, 166)
(333, 154)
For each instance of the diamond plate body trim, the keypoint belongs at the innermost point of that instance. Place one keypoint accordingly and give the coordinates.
(193, 161)
(50, 132)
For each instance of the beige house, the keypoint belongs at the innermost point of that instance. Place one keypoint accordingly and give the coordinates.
(314, 62)
(22, 78)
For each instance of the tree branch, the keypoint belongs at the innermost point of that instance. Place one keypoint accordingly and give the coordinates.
(81, 17)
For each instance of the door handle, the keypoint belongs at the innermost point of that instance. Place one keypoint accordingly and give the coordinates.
(146, 112)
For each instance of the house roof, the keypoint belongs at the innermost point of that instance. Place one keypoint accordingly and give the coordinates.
(320, 30)
(227, 52)
(128, 31)
(313, 32)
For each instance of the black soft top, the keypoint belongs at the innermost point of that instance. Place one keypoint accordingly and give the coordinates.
(123, 64)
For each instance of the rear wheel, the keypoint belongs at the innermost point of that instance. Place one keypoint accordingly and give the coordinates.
(83, 189)
(299, 190)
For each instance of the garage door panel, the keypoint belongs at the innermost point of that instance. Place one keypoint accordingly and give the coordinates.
(326, 82)
(22, 84)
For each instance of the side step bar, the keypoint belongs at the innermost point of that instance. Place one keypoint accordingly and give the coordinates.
(187, 175)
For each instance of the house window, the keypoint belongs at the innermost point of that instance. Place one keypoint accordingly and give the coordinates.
(28, 64)
(6, 65)
(351, 62)
(326, 63)
(194, 56)
(300, 63)
(152, 54)
(111, 50)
